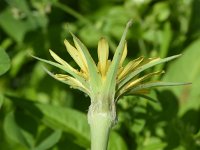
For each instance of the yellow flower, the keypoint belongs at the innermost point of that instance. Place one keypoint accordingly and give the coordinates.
(106, 81)
(108, 78)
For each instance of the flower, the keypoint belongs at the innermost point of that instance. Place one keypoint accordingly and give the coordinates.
(106, 81)
(109, 78)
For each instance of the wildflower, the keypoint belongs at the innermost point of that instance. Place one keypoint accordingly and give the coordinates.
(106, 81)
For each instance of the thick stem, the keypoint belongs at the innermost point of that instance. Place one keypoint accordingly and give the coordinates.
(100, 125)
(100, 118)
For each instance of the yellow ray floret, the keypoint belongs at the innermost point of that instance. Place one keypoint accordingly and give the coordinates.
(82, 56)
(72, 82)
(135, 82)
(62, 62)
(103, 52)
(149, 60)
(76, 55)
(130, 67)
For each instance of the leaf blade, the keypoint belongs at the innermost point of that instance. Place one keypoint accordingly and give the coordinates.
(49, 141)
(4, 62)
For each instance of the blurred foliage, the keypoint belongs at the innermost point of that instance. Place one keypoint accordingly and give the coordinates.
(39, 113)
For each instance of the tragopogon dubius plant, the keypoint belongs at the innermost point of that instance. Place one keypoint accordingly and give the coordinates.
(106, 81)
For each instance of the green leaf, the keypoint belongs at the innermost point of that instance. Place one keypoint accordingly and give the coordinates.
(113, 69)
(66, 119)
(116, 142)
(18, 60)
(144, 67)
(72, 122)
(21, 128)
(4, 62)
(20, 4)
(187, 68)
(152, 143)
(13, 131)
(49, 141)
(14, 27)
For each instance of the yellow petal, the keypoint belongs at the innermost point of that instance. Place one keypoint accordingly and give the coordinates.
(62, 62)
(123, 55)
(149, 60)
(108, 63)
(76, 55)
(62, 76)
(81, 54)
(130, 67)
(71, 81)
(103, 52)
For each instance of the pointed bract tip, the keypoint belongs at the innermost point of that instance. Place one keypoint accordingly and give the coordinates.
(72, 34)
(178, 55)
(51, 52)
(65, 41)
(33, 56)
(130, 22)
(29, 54)
(102, 38)
(188, 83)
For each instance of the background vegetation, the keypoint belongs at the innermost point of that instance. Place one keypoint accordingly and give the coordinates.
(39, 113)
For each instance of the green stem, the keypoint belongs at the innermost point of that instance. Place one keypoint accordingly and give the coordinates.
(100, 126)
(71, 11)
(101, 118)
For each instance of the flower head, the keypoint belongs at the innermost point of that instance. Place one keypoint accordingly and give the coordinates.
(105, 81)
(108, 78)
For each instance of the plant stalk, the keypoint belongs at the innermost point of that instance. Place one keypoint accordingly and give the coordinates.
(101, 118)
